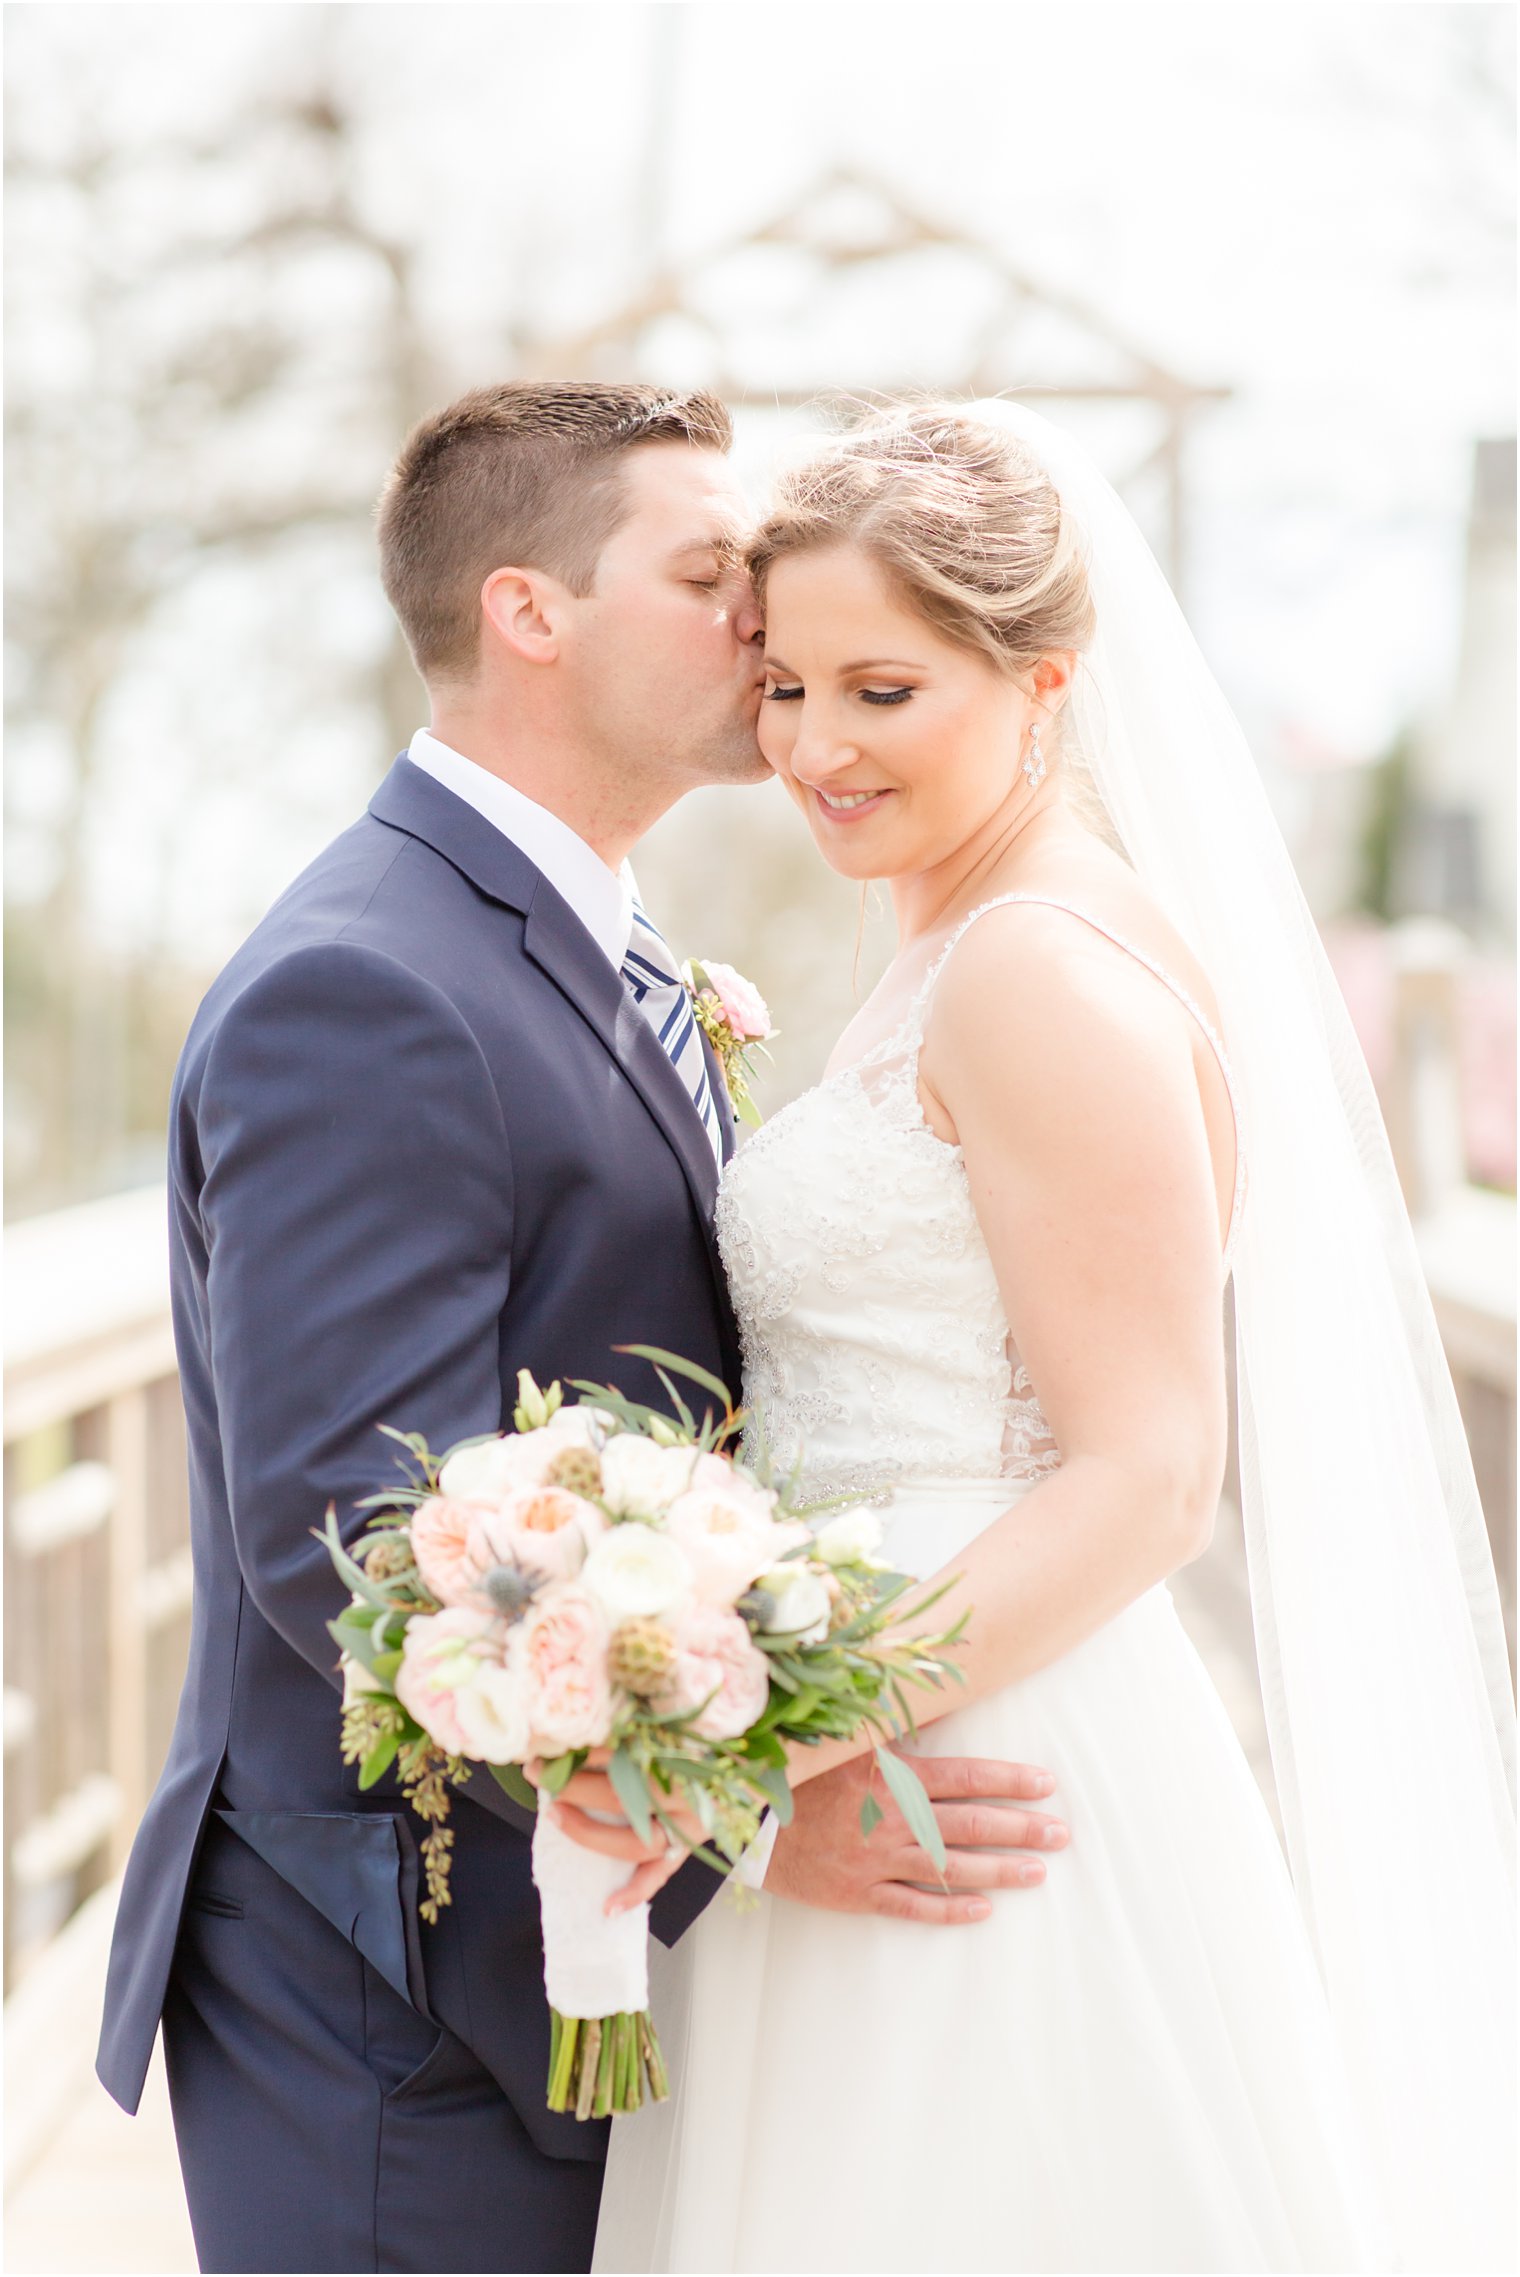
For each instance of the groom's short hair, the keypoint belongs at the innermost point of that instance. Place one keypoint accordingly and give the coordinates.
(525, 475)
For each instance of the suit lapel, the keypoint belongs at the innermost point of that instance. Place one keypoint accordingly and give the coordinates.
(560, 945)
(720, 1092)
(553, 936)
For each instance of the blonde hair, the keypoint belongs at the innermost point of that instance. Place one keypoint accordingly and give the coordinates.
(962, 519)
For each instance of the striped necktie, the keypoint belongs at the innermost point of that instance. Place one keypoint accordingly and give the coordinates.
(658, 990)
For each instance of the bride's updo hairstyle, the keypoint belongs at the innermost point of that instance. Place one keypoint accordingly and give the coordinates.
(961, 518)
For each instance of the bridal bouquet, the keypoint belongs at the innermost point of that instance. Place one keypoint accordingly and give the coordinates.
(603, 1578)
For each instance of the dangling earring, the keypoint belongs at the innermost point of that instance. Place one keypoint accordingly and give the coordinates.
(1034, 765)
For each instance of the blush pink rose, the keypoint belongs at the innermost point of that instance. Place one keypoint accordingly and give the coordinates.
(744, 1008)
(715, 1662)
(545, 1529)
(442, 1659)
(564, 1656)
(442, 1528)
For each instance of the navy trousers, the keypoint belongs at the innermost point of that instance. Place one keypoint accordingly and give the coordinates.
(417, 2160)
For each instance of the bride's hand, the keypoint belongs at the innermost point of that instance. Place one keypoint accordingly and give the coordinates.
(588, 1810)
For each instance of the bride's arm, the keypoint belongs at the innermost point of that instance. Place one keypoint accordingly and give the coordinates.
(1068, 1075)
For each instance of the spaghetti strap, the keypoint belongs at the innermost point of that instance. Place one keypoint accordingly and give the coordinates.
(1184, 996)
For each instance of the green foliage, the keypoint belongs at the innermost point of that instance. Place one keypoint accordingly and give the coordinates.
(511, 1781)
(856, 1679)
(908, 1794)
(632, 1791)
(1384, 825)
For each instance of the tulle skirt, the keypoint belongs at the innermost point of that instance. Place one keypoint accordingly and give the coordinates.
(1129, 2067)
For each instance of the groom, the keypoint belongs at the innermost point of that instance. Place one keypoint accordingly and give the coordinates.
(445, 1115)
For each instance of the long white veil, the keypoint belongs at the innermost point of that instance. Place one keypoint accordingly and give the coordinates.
(1378, 1627)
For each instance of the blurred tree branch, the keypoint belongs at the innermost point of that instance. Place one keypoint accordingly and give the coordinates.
(213, 350)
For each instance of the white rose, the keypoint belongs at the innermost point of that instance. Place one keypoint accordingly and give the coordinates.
(492, 1709)
(576, 1427)
(498, 1467)
(718, 1472)
(641, 1480)
(727, 1533)
(634, 1571)
(357, 1681)
(802, 1604)
(848, 1538)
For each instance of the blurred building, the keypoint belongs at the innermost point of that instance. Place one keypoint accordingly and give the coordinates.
(1457, 857)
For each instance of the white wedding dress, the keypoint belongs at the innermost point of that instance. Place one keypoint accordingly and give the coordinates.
(1129, 2067)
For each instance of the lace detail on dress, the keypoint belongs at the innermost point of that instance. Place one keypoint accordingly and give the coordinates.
(876, 1348)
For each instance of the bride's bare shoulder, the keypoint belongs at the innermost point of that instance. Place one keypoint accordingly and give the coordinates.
(1076, 917)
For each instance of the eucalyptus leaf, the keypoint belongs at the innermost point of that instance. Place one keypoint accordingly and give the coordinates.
(355, 1576)
(359, 1644)
(559, 1772)
(688, 1420)
(379, 1759)
(631, 1789)
(509, 1778)
(774, 1783)
(696, 1849)
(763, 1746)
(908, 1793)
(871, 1815)
(672, 1360)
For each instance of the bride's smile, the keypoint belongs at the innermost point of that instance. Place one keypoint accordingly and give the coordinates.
(897, 744)
(900, 743)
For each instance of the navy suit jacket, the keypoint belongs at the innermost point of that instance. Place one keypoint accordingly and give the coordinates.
(421, 1137)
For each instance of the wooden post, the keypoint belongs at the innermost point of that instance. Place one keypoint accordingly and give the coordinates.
(127, 1453)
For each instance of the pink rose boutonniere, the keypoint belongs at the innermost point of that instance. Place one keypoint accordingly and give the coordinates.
(735, 1019)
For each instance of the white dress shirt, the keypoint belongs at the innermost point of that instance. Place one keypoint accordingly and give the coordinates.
(603, 901)
(601, 898)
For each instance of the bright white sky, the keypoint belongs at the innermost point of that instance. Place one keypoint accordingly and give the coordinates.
(1304, 202)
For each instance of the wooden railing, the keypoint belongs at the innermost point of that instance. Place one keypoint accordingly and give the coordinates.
(97, 1560)
(97, 1557)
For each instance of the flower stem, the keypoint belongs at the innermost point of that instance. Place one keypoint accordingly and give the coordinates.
(603, 2064)
(591, 2053)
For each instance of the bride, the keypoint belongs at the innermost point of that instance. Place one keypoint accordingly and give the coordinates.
(979, 1272)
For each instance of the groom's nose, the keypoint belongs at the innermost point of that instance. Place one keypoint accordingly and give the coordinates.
(749, 625)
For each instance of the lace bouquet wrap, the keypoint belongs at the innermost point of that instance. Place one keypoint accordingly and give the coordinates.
(606, 1577)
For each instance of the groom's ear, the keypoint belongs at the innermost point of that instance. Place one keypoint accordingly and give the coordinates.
(525, 609)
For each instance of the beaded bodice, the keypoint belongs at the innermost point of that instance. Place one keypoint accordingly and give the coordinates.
(876, 1347)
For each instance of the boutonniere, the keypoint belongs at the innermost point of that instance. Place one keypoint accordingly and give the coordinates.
(733, 1016)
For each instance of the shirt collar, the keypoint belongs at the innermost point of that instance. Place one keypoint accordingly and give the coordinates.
(601, 898)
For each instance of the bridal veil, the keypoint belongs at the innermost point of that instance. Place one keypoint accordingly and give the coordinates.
(1378, 1627)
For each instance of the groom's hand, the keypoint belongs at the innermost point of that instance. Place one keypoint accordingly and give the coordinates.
(823, 1859)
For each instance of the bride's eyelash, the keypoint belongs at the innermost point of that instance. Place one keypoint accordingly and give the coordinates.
(793, 694)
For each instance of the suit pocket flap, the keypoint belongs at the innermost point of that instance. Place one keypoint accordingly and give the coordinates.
(359, 1869)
